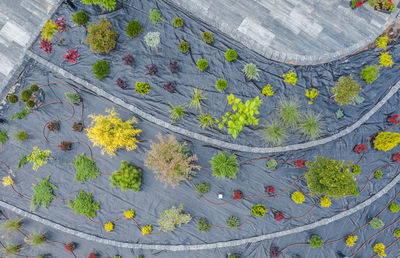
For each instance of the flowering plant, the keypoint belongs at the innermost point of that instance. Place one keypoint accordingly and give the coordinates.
(380, 5)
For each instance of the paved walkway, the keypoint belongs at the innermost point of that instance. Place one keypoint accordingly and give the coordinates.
(294, 31)
(20, 23)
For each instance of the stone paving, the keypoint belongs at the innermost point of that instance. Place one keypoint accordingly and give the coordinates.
(294, 31)
(20, 23)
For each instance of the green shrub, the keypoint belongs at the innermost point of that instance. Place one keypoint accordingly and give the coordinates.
(310, 125)
(12, 98)
(258, 210)
(43, 194)
(208, 37)
(178, 22)
(178, 112)
(84, 205)
(184, 46)
(272, 164)
(174, 216)
(127, 178)
(356, 169)
(3, 136)
(80, 18)
(233, 256)
(290, 77)
(370, 73)
(288, 111)
(376, 223)
(331, 178)
(133, 28)
(221, 84)
(107, 4)
(152, 39)
(251, 72)
(21, 136)
(101, 69)
(26, 95)
(274, 133)
(73, 97)
(316, 241)
(346, 91)
(202, 188)
(34, 88)
(20, 115)
(230, 55)
(394, 207)
(203, 225)
(142, 88)
(22, 161)
(30, 104)
(397, 232)
(378, 174)
(155, 16)
(339, 114)
(85, 168)
(232, 222)
(224, 166)
(206, 120)
(100, 37)
(244, 114)
(202, 64)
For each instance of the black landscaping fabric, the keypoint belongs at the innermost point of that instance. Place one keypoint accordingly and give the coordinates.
(252, 178)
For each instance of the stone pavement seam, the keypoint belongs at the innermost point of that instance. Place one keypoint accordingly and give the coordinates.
(203, 138)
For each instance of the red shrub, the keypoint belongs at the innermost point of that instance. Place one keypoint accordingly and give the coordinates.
(301, 163)
(61, 24)
(394, 119)
(278, 216)
(396, 157)
(45, 45)
(92, 255)
(237, 195)
(71, 56)
(270, 189)
(70, 247)
(360, 148)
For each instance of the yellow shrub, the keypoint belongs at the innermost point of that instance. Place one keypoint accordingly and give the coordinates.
(111, 133)
(386, 141)
(325, 201)
(129, 214)
(109, 226)
(146, 229)
(298, 197)
(379, 249)
(351, 240)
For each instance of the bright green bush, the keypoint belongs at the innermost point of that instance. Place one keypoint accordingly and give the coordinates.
(316, 241)
(232, 222)
(394, 207)
(258, 210)
(202, 64)
(184, 46)
(178, 22)
(84, 205)
(133, 28)
(3, 136)
(221, 84)
(198, 97)
(127, 178)
(370, 73)
(346, 91)
(142, 88)
(100, 37)
(174, 216)
(155, 16)
(107, 4)
(26, 95)
(356, 169)
(38, 157)
(34, 87)
(80, 18)
(376, 223)
(272, 164)
(101, 69)
(43, 194)
(12, 98)
(231, 55)
(20, 115)
(30, 104)
(85, 168)
(224, 166)
(331, 178)
(203, 225)
(208, 37)
(397, 232)
(378, 174)
(73, 97)
(202, 188)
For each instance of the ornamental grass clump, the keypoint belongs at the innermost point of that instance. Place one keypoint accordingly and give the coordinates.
(274, 133)
(203, 225)
(221, 84)
(346, 91)
(370, 73)
(231, 55)
(85, 168)
(35, 240)
(289, 113)
(198, 97)
(207, 37)
(127, 178)
(38, 157)
(331, 178)
(207, 120)
(258, 210)
(84, 205)
(178, 112)
(251, 72)
(202, 188)
(43, 194)
(80, 18)
(100, 37)
(224, 166)
(101, 69)
(173, 217)
(202, 64)
(133, 28)
(386, 141)
(11, 225)
(184, 46)
(111, 133)
(170, 161)
(310, 125)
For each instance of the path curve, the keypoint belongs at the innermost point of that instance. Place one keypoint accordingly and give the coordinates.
(209, 140)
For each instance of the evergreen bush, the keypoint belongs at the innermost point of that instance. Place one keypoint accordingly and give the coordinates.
(127, 178)
(100, 37)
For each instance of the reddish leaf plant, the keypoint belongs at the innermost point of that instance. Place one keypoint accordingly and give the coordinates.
(396, 157)
(394, 119)
(169, 87)
(71, 56)
(237, 195)
(70, 247)
(45, 45)
(61, 24)
(301, 163)
(270, 189)
(360, 148)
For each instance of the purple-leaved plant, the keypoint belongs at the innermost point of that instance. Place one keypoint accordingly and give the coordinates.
(128, 59)
(152, 69)
(173, 66)
(169, 87)
(273, 252)
(121, 83)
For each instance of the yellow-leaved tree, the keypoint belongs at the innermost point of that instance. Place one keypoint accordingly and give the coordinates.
(111, 133)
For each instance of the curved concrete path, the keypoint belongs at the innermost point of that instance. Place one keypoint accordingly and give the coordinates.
(302, 32)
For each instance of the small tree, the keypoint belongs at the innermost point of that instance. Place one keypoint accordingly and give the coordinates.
(111, 133)
(330, 177)
(100, 37)
(346, 91)
(174, 216)
(170, 161)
